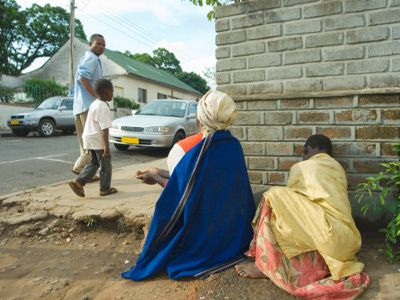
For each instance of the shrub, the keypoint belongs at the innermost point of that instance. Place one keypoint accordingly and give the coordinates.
(123, 102)
(41, 89)
(385, 184)
(6, 94)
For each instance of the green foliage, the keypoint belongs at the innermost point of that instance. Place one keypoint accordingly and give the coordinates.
(38, 31)
(214, 4)
(6, 94)
(166, 60)
(194, 80)
(41, 89)
(90, 222)
(125, 103)
(374, 192)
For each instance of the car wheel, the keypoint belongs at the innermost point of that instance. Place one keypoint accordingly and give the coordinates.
(20, 132)
(180, 135)
(121, 147)
(46, 128)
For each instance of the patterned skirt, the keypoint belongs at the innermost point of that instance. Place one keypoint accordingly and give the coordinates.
(306, 275)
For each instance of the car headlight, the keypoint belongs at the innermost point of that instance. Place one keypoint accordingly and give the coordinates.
(157, 129)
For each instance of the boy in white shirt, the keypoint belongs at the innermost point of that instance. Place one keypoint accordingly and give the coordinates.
(95, 139)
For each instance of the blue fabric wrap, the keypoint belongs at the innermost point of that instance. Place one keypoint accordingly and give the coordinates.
(215, 225)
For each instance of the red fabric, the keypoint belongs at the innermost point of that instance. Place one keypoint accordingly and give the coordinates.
(191, 141)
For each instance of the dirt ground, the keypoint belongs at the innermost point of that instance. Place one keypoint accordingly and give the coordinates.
(60, 259)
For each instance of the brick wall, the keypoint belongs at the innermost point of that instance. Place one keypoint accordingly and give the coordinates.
(300, 67)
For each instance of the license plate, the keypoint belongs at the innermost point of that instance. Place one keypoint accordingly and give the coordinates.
(130, 140)
(14, 122)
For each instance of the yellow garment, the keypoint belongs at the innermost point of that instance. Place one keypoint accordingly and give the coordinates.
(313, 213)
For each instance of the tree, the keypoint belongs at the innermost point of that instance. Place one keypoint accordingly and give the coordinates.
(166, 60)
(194, 80)
(38, 31)
(214, 4)
(144, 58)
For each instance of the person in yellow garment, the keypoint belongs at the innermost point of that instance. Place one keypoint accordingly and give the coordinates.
(305, 239)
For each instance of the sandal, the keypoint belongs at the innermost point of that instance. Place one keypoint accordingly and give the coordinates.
(109, 192)
(78, 190)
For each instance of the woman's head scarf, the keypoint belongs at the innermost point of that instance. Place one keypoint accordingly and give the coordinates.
(216, 111)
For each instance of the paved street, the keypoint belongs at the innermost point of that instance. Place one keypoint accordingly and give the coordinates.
(34, 161)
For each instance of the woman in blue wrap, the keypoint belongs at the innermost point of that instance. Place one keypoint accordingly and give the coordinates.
(202, 220)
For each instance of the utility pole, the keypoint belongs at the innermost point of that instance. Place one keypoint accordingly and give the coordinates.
(71, 46)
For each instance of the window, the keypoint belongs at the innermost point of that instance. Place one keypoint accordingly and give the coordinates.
(193, 109)
(142, 95)
(68, 104)
(161, 96)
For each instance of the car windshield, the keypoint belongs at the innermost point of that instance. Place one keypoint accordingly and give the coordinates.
(170, 108)
(51, 103)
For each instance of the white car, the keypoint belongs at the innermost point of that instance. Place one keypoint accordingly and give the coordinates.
(53, 113)
(159, 124)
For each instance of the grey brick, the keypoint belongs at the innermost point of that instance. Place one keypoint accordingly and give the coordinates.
(310, 85)
(385, 17)
(384, 49)
(267, 60)
(344, 21)
(274, 117)
(323, 9)
(284, 72)
(395, 3)
(303, 27)
(233, 89)
(282, 15)
(248, 49)
(248, 76)
(343, 53)
(396, 64)
(263, 4)
(253, 148)
(396, 32)
(344, 83)
(229, 10)
(262, 163)
(324, 39)
(248, 20)
(368, 66)
(369, 34)
(238, 132)
(264, 88)
(295, 2)
(222, 52)
(325, 69)
(222, 25)
(262, 104)
(223, 78)
(266, 31)
(230, 37)
(285, 44)
(231, 64)
(302, 56)
(249, 118)
(362, 5)
(265, 133)
(384, 80)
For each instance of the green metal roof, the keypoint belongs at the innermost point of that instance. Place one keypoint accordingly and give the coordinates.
(140, 69)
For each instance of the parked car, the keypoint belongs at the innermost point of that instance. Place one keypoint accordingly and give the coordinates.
(53, 113)
(159, 124)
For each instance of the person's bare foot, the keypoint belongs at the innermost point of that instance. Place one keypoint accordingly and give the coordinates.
(249, 270)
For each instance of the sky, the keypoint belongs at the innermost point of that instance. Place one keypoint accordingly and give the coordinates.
(142, 26)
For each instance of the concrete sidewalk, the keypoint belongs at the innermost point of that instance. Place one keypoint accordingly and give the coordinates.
(134, 201)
